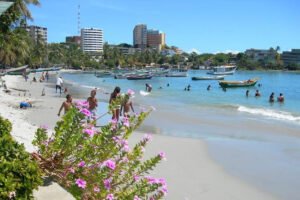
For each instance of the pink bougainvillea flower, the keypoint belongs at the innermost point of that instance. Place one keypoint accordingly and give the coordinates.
(136, 198)
(45, 127)
(136, 178)
(130, 92)
(106, 183)
(162, 155)
(126, 122)
(126, 148)
(81, 183)
(110, 164)
(147, 137)
(81, 164)
(86, 112)
(72, 170)
(164, 190)
(90, 132)
(96, 189)
(110, 197)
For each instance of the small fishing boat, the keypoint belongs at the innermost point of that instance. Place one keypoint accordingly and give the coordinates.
(246, 83)
(139, 77)
(223, 70)
(202, 78)
(18, 71)
(177, 74)
(102, 74)
(50, 69)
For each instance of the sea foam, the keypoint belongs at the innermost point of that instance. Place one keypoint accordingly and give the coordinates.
(270, 113)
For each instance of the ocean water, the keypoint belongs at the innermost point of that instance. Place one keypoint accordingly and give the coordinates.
(250, 137)
(287, 83)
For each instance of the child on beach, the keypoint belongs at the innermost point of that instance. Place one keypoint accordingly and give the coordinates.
(126, 106)
(66, 105)
(93, 104)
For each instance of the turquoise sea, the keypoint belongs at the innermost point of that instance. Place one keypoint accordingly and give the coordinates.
(251, 138)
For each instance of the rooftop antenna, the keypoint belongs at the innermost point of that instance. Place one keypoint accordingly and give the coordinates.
(78, 19)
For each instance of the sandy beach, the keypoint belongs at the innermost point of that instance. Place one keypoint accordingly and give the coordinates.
(189, 170)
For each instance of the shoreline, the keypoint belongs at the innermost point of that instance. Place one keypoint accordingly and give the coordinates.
(195, 176)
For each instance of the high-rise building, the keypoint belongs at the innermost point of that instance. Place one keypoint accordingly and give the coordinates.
(291, 57)
(37, 33)
(73, 40)
(155, 39)
(92, 40)
(140, 36)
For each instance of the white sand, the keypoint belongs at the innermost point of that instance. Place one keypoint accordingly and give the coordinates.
(189, 171)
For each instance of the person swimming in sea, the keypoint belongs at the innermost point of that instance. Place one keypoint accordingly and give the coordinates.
(280, 98)
(257, 94)
(247, 93)
(271, 98)
(208, 87)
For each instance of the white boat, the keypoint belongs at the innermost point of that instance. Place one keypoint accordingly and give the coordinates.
(200, 78)
(223, 70)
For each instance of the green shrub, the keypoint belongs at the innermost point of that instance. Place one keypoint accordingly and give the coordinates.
(19, 175)
(98, 163)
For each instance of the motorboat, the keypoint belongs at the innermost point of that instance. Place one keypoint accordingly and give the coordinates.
(223, 70)
(202, 78)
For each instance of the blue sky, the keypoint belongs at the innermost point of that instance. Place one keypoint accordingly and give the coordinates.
(204, 26)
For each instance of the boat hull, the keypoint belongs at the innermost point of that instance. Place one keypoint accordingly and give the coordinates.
(208, 78)
(234, 84)
(138, 77)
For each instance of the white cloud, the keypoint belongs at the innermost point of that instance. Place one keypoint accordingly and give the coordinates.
(194, 50)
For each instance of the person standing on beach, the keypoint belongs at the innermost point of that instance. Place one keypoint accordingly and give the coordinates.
(47, 76)
(126, 106)
(93, 104)
(59, 83)
(113, 97)
(67, 105)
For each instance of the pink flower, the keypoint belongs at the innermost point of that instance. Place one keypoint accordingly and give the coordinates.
(126, 122)
(162, 155)
(90, 132)
(147, 137)
(136, 178)
(130, 92)
(81, 183)
(82, 104)
(45, 127)
(96, 189)
(136, 198)
(106, 183)
(164, 190)
(110, 197)
(110, 164)
(81, 164)
(126, 148)
(72, 170)
(86, 112)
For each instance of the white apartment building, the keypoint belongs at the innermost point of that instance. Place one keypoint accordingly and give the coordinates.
(92, 40)
(37, 33)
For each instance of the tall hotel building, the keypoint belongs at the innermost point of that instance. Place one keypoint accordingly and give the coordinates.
(155, 39)
(140, 36)
(37, 32)
(92, 40)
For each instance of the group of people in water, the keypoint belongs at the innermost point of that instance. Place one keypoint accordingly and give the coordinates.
(280, 98)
